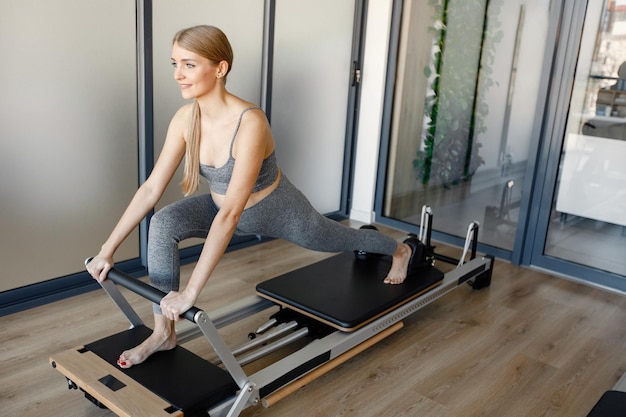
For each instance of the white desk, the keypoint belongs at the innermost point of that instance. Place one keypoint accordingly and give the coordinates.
(593, 179)
(606, 127)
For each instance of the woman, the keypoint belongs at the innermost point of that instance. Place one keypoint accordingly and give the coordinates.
(229, 142)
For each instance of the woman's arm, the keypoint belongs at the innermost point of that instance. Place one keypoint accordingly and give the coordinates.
(145, 198)
(249, 152)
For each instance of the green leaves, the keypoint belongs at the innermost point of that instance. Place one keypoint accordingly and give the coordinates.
(453, 114)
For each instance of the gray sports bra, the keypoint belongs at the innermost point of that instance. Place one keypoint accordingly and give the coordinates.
(219, 178)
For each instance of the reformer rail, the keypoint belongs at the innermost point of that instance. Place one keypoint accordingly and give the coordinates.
(326, 350)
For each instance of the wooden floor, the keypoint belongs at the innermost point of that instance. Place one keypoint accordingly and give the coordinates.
(529, 345)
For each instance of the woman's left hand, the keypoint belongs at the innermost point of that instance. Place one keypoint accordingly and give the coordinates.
(174, 304)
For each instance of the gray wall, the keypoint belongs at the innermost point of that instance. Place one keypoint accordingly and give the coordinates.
(69, 119)
(68, 133)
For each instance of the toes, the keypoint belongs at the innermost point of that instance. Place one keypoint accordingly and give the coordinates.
(392, 281)
(123, 363)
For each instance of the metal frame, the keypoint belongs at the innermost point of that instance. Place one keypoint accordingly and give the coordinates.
(323, 353)
(298, 364)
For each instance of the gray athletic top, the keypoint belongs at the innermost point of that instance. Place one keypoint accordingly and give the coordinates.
(219, 178)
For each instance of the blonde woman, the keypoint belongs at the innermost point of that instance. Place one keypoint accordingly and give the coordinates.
(228, 141)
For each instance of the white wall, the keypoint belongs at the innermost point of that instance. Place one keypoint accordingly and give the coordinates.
(311, 75)
(374, 69)
(68, 134)
(66, 196)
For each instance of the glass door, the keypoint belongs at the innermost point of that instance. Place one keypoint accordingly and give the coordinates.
(466, 79)
(581, 221)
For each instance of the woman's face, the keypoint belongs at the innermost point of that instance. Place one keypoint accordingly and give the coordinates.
(195, 75)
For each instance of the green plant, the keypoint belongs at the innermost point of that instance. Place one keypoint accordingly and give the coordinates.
(453, 113)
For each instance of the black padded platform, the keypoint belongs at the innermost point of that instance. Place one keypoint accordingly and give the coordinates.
(344, 292)
(611, 404)
(180, 377)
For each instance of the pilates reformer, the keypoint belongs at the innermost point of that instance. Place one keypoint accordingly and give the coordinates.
(359, 312)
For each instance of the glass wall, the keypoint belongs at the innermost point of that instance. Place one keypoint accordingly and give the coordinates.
(466, 89)
(588, 218)
(68, 129)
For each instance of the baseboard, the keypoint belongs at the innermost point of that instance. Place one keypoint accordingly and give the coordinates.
(41, 293)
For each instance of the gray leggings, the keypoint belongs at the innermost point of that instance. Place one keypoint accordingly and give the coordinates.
(284, 214)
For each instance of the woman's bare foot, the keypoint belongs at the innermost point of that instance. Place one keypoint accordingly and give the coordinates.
(399, 265)
(162, 338)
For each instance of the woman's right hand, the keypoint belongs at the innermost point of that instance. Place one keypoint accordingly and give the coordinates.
(99, 267)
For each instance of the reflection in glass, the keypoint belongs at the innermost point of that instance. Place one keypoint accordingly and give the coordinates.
(465, 94)
(588, 221)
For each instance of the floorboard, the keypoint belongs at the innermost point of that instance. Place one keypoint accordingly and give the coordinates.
(530, 345)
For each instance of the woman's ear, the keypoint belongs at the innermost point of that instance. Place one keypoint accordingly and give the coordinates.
(222, 69)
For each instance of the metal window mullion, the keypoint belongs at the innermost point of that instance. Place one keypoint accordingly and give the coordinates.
(145, 126)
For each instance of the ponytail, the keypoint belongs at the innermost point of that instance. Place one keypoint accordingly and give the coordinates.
(191, 175)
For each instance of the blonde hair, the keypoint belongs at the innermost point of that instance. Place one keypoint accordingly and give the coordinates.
(212, 44)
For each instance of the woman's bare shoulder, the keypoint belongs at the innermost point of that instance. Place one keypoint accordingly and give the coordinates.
(252, 113)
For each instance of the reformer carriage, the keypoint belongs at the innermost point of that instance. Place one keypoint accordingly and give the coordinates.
(339, 305)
